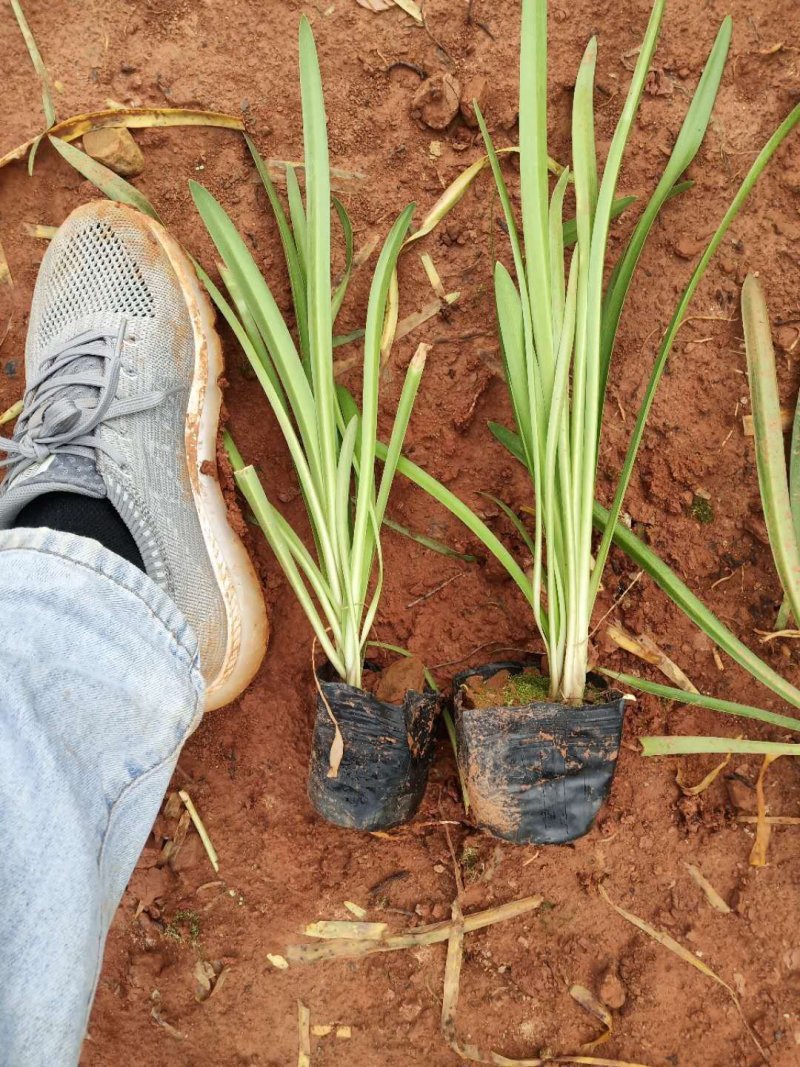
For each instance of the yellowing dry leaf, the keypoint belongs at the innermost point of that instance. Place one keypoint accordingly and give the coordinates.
(337, 745)
(408, 6)
(277, 961)
(5, 270)
(787, 417)
(773, 820)
(44, 233)
(712, 896)
(37, 61)
(589, 1002)
(350, 948)
(390, 318)
(168, 1027)
(11, 413)
(433, 276)
(199, 825)
(470, 1052)
(204, 976)
(132, 118)
(704, 783)
(646, 649)
(411, 9)
(758, 854)
(417, 318)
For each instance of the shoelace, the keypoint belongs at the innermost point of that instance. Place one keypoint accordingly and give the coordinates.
(56, 421)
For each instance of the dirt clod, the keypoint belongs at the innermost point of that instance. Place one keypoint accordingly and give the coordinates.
(612, 991)
(741, 795)
(398, 678)
(437, 101)
(116, 149)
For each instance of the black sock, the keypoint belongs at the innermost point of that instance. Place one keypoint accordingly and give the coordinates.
(86, 516)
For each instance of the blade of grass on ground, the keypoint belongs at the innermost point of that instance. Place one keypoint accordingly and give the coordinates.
(770, 455)
(693, 746)
(681, 696)
(695, 609)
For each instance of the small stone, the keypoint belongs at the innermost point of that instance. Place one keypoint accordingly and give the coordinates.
(116, 149)
(741, 796)
(689, 247)
(612, 991)
(10, 368)
(436, 102)
(474, 89)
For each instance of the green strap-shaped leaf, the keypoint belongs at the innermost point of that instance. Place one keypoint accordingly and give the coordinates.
(685, 149)
(695, 609)
(760, 162)
(681, 696)
(109, 183)
(768, 432)
(291, 249)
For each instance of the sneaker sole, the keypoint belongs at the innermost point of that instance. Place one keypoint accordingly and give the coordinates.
(248, 627)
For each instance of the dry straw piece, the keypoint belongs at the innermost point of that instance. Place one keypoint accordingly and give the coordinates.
(589, 1002)
(304, 1035)
(200, 827)
(355, 947)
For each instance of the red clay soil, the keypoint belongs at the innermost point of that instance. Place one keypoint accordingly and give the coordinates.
(280, 866)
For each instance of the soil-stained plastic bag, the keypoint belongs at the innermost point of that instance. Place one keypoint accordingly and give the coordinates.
(538, 773)
(381, 777)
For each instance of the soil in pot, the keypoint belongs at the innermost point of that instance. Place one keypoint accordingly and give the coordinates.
(375, 779)
(536, 772)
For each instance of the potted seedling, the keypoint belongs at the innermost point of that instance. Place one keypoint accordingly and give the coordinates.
(370, 755)
(537, 743)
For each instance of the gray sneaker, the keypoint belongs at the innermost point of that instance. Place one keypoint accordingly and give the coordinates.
(122, 401)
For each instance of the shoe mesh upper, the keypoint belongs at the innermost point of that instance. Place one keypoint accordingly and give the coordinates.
(93, 273)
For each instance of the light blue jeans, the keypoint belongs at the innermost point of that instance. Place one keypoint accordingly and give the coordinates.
(99, 688)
